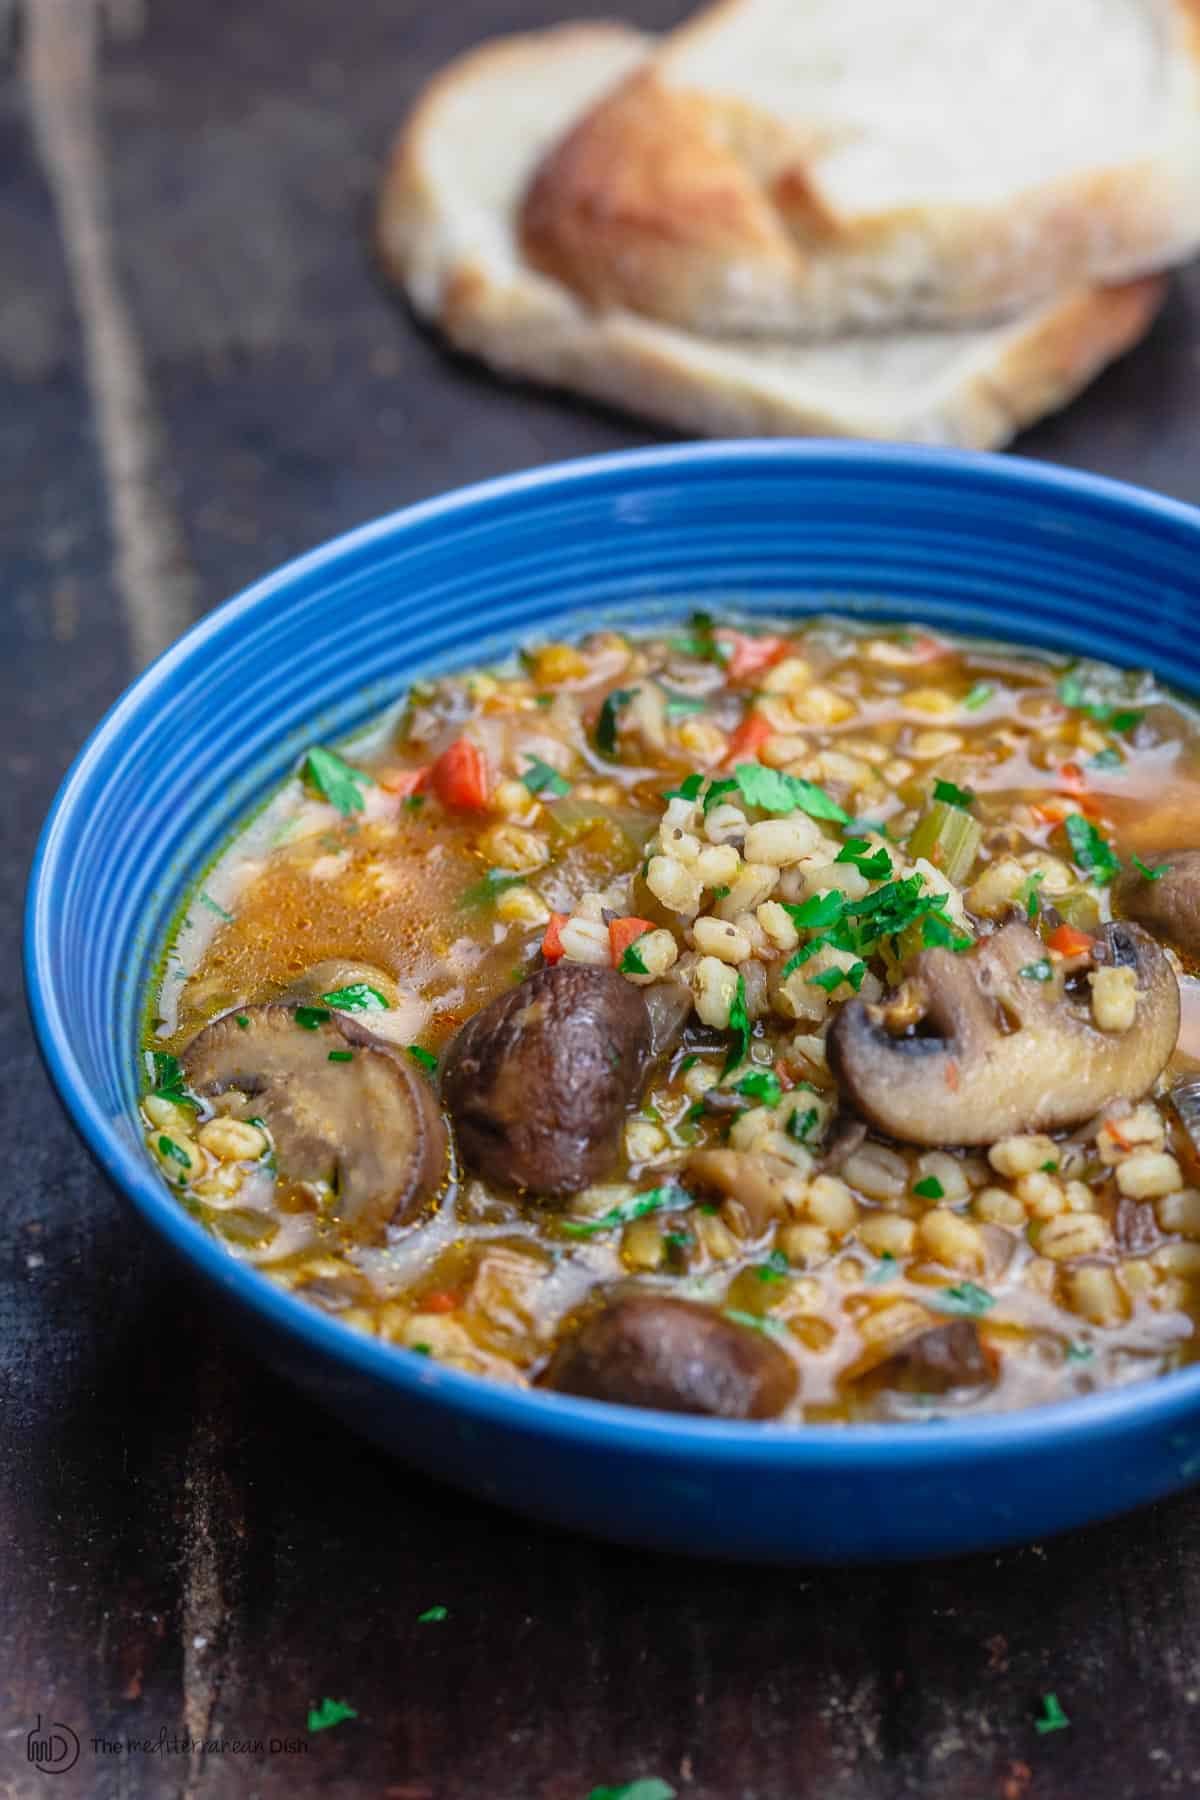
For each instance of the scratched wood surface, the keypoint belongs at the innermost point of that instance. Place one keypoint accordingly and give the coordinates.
(200, 374)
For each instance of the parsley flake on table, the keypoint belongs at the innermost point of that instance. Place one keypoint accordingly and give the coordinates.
(339, 782)
(1053, 1717)
(540, 778)
(433, 1615)
(359, 996)
(330, 1712)
(606, 724)
(1091, 849)
(647, 1787)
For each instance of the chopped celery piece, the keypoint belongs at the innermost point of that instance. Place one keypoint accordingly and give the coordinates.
(947, 837)
(1079, 908)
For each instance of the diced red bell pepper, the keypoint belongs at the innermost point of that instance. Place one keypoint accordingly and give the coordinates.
(1068, 940)
(460, 776)
(404, 781)
(439, 1302)
(552, 950)
(622, 933)
(749, 737)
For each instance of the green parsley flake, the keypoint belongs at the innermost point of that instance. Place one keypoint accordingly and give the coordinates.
(1049, 1167)
(689, 1062)
(1080, 1353)
(755, 1321)
(1073, 694)
(1106, 759)
(774, 792)
(682, 706)
(950, 795)
(433, 1615)
(606, 724)
(311, 1018)
(876, 865)
(829, 979)
(739, 1024)
(540, 778)
(207, 900)
(493, 883)
(688, 789)
(168, 1079)
(800, 1124)
(929, 1188)
(979, 696)
(631, 962)
(168, 1147)
(817, 911)
(341, 1056)
(776, 1267)
(936, 932)
(966, 1300)
(425, 1058)
(702, 642)
(330, 1712)
(1053, 1717)
(1150, 874)
(243, 1021)
(762, 1085)
(884, 1269)
(360, 996)
(652, 1200)
(1091, 850)
(414, 802)
(422, 1349)
(1038, 971)
(341, 784)
(647, 1787)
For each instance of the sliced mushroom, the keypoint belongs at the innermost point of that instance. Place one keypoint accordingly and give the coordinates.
(998, 1050)
(677, 1356)
(539, 1082)
(1168, 905)
(937, 1361)
(341, 1107)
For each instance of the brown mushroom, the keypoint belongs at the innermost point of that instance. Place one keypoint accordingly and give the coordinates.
(1001, 1044)
(937, 1361)
(538, 1084)
(1167, 904)
(341, 1107)
(675, 1355)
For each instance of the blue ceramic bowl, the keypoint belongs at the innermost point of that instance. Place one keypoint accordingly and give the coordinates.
(1005, 548)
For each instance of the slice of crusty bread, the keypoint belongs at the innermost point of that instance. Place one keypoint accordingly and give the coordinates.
(798, 168)
(447, 230)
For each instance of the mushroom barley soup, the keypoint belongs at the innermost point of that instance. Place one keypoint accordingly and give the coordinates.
(771, 1024)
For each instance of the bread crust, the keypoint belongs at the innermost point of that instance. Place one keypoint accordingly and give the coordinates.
(979, 388)
(702, 211)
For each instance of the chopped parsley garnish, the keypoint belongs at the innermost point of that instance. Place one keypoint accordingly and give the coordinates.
(1125, 721)
(422, 1349)
(168, 1079)
(1150, 874)
(678, 1240)
(929, 1188)
(1080, 1353)
(1091, 849)
(1032, 900)
(800, 1124)
(414, 803)
(646, 1787)
(884, 1269)
(330, 1712)
(762, 1085)
(425, 1058)
(979, 696)
(359, 996)
(689, 1062)
(937, 932)
(859, 926)
(950, 795)
(1048, 1167)
(756, 1321)
(243, 1021)
(652, 1200)
(1072, 693)
(310, 1018)
(833, 978)
(631, 962)
(681, 706)
(1053, 1717)
(702, 643)
(1106, 759)
(774, 792)
(176, 1152)
(739, 1024)
(876, 865)
(776, 1267)
(720, 893)
(817, 911)
(1038, 971)
(341, 784)
(207, 900)
(540, 778)
(688, 789)
(341, 1056)
(966, 1299)
(493, 883)
(433, 1615)
(606, 724)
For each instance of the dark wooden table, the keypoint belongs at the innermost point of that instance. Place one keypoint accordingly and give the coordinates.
(201, 374)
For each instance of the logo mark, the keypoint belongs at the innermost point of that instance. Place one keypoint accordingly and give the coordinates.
(53, 1749)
